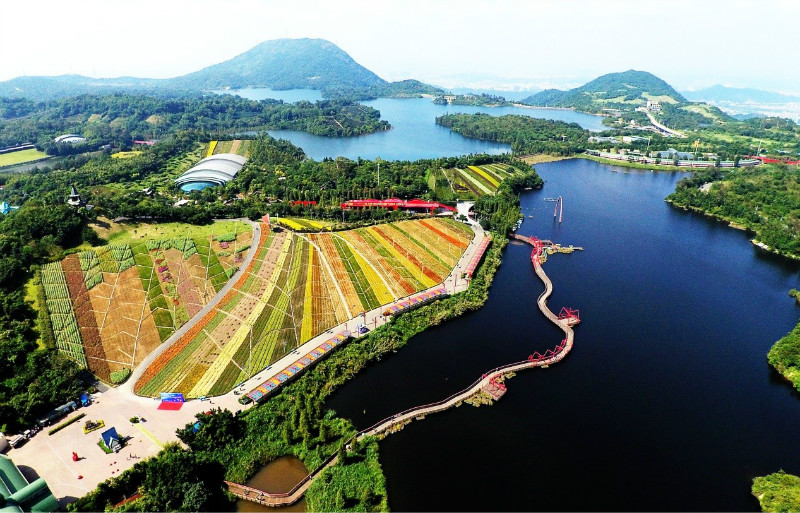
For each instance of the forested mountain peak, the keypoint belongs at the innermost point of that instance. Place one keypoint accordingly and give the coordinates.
(626, 89)
(285, 64)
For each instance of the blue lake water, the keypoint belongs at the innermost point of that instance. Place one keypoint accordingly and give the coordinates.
(666, 402)
(414, 134)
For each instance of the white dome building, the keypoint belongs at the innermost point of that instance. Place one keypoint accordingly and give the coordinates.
(214, 170)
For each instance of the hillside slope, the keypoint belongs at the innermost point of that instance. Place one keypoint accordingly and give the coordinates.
(626, 90)
(285, 64)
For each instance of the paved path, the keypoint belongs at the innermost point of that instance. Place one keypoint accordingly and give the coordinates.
(659, 125)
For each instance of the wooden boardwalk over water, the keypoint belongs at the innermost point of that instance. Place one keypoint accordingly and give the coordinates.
(487, 383)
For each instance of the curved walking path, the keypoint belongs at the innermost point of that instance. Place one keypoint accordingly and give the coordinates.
(144, 364)
(419, 412)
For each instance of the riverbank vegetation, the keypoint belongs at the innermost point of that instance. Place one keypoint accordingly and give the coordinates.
(785, 356)
(276, 174)
(777, 492)
(765, 200)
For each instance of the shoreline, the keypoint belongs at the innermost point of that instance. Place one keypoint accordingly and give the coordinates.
(736, 226)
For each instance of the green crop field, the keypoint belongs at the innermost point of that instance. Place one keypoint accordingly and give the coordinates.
(20, 157)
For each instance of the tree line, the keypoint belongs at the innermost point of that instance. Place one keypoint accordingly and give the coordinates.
(118, 119)
(525, 134)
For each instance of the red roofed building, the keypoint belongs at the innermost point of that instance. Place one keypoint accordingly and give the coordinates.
(396, 203)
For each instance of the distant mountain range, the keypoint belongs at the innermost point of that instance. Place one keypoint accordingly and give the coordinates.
(720, 94)
(744, 103)
(626, 90)
(278, 64)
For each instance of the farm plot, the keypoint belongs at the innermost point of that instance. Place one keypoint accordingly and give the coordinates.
(349, 295)
(300, 224)
(84, 315)
(476, 181)
(237, 146)
(211, 351)
(296, 287)
(112, 305)
(127, 330)
(62, 316)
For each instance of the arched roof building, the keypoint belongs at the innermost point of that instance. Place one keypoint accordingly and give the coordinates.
(214, 170)
(69, 138)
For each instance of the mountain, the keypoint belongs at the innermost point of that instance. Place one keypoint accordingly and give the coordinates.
(624, 90)
(285, 64)
(723, 94)
(277, 64)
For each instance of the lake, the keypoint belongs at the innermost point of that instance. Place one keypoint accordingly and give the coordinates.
(414, 134)
(666, 402)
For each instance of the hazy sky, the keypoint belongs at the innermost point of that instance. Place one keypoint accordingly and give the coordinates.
(689, 43)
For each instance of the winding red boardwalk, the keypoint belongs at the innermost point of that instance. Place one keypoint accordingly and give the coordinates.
(487, 382)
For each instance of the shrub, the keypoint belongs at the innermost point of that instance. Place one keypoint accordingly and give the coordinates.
(225, 237)
(65, 424)
(119, 377)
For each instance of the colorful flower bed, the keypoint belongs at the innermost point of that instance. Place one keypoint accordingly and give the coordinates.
(299, 224)
(292, 291)
(84, 315)
(211, 146)
(96, 306)
(479, 180)
(62, 317)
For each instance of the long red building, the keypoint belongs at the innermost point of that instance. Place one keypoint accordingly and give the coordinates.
(396, 203)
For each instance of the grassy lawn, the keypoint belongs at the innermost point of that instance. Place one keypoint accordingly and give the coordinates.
(20, 157)
(120, 233)
(31, 297)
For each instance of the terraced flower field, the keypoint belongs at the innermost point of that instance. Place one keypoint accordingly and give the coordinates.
(296, 287)
(237, 146)
(112, 305)
(476, 181)
(298, 224)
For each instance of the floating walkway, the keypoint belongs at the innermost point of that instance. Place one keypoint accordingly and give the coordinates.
(490, 383)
